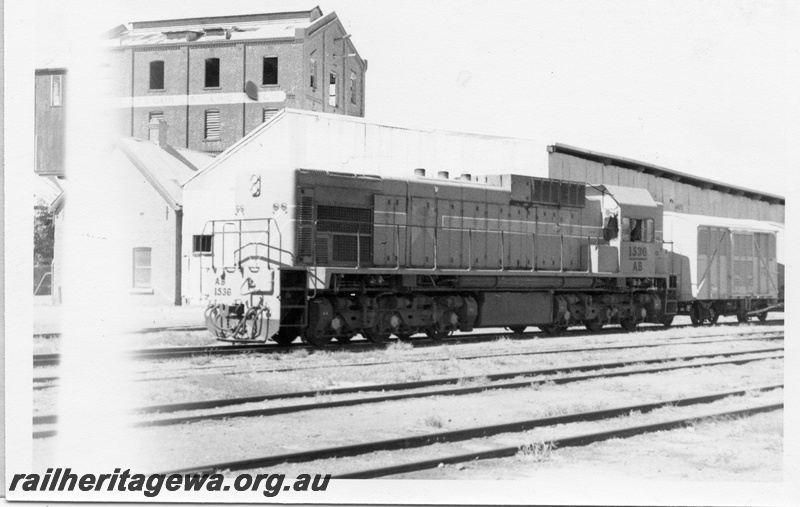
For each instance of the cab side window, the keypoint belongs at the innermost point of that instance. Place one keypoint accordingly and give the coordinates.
(638, 230)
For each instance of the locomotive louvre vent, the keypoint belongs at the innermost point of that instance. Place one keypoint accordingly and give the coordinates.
(305, 211)
(344, 219)
(322, 250)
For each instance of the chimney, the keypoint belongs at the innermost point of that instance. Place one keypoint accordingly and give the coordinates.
(444, 175)
(466, 177)
(158, 131)
(419, 173)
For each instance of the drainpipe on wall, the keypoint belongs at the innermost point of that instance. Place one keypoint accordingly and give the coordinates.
(178, 259)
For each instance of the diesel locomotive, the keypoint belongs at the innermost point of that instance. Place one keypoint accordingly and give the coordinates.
(332, 255)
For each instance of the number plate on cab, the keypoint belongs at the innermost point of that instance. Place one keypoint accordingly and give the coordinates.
(637, 259)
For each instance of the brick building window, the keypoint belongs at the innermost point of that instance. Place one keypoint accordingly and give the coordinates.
(312, 72)
(269, 72)
(157, 75)
(56, 82)
(352, 87)
(152, 128)
(201, 244)
(212, 73)
(333, 99)
(212, 125)
(142, 258)
(269, 112)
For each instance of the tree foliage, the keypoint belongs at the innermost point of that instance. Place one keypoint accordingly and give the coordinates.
(43, 233)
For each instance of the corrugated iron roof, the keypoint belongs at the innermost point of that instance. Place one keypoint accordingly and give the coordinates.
(280, 25)
(664, 172)
(161, 168)
(338, 118)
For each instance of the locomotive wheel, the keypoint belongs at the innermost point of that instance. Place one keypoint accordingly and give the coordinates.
(344, 338)
(376, 336)
(593, 325)
(285, 336)
(628, 325)
(666, 320)
(554, 329)
(437, 335)
(316, 338)
(762, 316)
(517, 329)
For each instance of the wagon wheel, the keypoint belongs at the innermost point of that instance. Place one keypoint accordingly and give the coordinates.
(762, 317)
(517, 329)
(594, 325)
(666, 320)
(376, 336)
(742, 316)
(694, 315)
(437, 334)
(316, 338)
(713, 316)
(628, 325)
(285, 336)
(404, 337)
(554, 329)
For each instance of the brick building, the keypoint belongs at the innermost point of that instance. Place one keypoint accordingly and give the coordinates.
(215, 79)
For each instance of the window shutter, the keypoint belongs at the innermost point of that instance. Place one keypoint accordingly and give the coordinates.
(268, 114)
(212, 125)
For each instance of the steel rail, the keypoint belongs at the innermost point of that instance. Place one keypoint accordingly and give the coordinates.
(776, 335)
(53, 359)
(146, 330)
(223, 402)
(457, 435)
(558, 443)
(266, 412)
(178, 352)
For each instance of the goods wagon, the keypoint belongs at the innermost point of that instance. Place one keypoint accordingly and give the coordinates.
(732, 265)
(332, 255)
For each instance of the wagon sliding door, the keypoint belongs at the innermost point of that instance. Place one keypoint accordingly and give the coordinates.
(766, 265)
(713, 263)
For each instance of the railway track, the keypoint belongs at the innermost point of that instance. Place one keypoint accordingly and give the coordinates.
(48, 382)
(213, 404)
(558, 443)
(41, 360)
(486, 431)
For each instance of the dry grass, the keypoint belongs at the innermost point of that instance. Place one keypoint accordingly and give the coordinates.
(397, 347)
(433, 421)
(536, 451)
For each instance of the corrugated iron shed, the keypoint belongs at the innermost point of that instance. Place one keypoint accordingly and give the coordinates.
(663, 172)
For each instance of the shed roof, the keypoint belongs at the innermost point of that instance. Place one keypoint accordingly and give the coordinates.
(664, 172)
(263, 130)
(165, 168)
